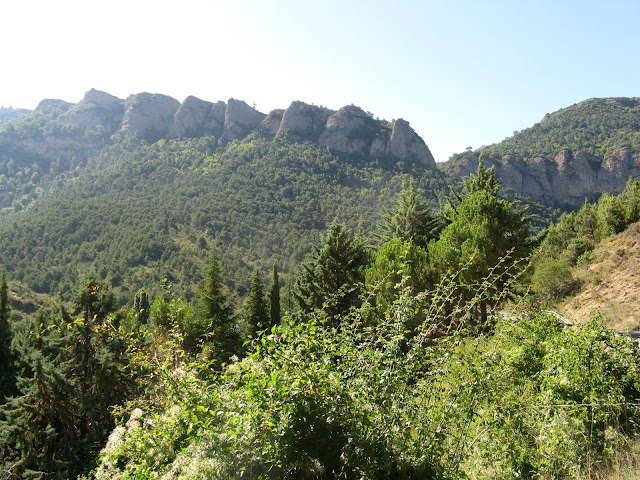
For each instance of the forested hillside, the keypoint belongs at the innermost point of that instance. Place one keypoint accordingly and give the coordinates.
(139, 213)
(11, 114)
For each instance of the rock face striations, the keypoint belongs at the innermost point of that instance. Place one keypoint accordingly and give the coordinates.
(571, 155)
(350, 130)
(567, 180)
(152, 117)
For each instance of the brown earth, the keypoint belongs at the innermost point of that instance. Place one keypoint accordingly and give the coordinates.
(610, 283)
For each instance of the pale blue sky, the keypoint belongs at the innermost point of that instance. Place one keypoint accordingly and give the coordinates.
(463, 73)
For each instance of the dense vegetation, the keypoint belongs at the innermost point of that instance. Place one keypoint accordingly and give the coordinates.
(139, 213)
(389, 362)
(9, 114)
(571, 240)
(399, 335)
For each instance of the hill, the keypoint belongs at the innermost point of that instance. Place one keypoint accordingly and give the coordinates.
(609, 283)
(571, 155)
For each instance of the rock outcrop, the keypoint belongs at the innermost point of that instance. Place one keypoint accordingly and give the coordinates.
(215, 119)
(190, 119)
(271, 124)
(152, 117)
(567, 180)
(239, 120)
(406, 143)
(96, 108)
(351, 130)
(148, 115)
(303, 122)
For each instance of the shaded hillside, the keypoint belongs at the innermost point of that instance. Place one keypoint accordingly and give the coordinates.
(573, 154)
(609, 283)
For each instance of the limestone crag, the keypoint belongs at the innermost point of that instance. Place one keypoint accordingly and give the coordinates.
(149, 115)
(152, 117)
(271, 124)
(567, 180)
(406, 143)
(239, 120)
(351, 130)
(303, 122)
(215, 119)
(96, 108)
(190, 119)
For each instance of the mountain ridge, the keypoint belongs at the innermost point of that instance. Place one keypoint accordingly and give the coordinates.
(570, 156)
(153, 116)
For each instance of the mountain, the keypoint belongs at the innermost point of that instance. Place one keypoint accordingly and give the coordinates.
(571, 155)
(139, 190)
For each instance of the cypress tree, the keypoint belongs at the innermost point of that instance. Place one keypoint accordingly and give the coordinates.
(141, 307)
(215, 314)
(274, 297)
(7, 378)
(257, 310)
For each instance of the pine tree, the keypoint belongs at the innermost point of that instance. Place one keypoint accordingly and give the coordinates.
(410, 220)
(215, 314)
(274, 297)
(486, 237)
(257, 310)
(334, 275)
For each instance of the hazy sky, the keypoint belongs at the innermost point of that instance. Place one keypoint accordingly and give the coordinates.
(463, 73)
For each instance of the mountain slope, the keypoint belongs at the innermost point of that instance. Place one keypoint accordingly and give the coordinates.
(573, 154)
(137, 213)
(609, 283)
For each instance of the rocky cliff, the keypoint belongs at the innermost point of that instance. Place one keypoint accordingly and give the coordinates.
(348, 130)
(566, 181)
(570, 156)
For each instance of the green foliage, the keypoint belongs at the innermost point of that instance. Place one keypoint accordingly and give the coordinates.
(215, 314)
(598, 127)
(309, 402)
(258, 315)
(571, 240)
(137, 213)
(7, 373)
(410, 220)
(313, 401)
(332, 278)
(552, 279)
(486, 237)
(274, 298)
(174, 316)
(9, 114)
(395, 268)
(141, 307)
(72, 371)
